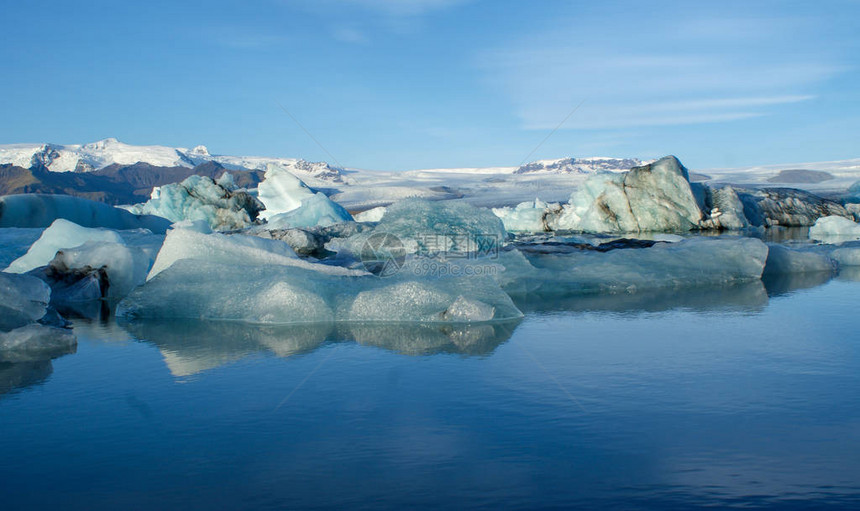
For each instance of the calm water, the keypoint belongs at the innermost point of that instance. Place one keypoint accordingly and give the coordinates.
(743, 397)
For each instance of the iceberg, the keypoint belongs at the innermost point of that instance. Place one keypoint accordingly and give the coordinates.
(290, 203)
(62, 234)
(787, 207)
(316, 210)
(688, 263)
(35, 342)
(428, 227)
(281, 192)
(104, 270)
(533, 216)
(236, 250)
(653, 197)
(834, 229)
(219, 203)
(38, 210)
(23, 300)
(782, 259)
(371, 215)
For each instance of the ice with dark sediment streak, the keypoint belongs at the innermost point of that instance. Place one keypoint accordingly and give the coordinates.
(692, 262)
(217, 202)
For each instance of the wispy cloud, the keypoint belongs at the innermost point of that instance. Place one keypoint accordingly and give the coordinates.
(402, 7)
(700, 72)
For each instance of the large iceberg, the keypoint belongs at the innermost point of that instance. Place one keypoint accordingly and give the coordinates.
(201, 198)
(654, 197)
(291, 203)
(256, 280)
(38, 210)
(280, 294)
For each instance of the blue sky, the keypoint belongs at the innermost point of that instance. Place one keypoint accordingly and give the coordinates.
(387, 84)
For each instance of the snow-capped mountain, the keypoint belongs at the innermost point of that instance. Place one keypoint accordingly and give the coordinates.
(110, 151)
(579, 165)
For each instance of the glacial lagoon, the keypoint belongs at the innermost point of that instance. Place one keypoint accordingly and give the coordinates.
(735, 396)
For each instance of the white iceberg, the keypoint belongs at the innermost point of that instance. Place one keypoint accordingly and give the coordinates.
(236, 250)
(532, 216)
(281, 192)
(202, 198)
(834, 229)
(371, 215)
(291, 203)
(314, 211)
(37, 210)
(62, 234)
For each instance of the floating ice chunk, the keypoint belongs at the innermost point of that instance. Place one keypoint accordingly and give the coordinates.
(62, 234)
(36, 342)
(782, 259)
(37, 210)
(691, 262)
(280, 191)
(528, 216)
(846, 256)
(202, 198)
(433, 227)
(23, 299)
(834, 229)
(316, 210)
(371, 215)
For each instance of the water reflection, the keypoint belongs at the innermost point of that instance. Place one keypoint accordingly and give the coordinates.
(193, 346)
(750, 296)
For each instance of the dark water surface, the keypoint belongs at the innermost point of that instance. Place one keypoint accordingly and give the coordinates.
(741, 397)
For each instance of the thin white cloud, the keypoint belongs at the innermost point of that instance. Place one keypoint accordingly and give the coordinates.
(658, 76)
(403, 7)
